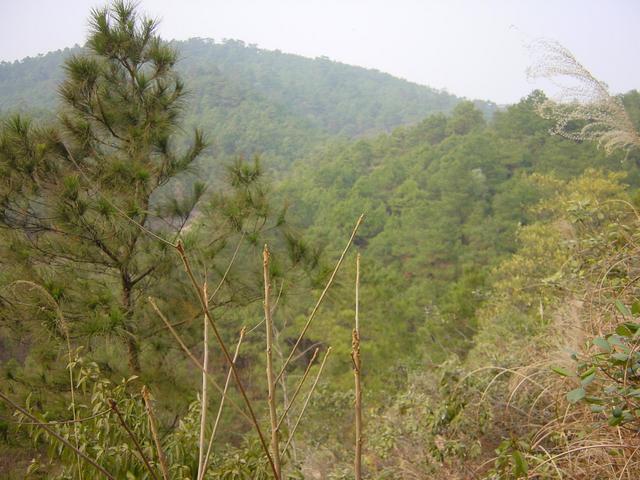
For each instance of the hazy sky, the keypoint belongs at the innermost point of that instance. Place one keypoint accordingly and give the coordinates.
(472, 48)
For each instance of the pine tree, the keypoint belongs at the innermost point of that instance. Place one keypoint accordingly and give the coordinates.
(82, 195)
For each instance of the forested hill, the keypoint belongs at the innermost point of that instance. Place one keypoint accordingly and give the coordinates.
(444, 202)
(492, 325)
(249, 100)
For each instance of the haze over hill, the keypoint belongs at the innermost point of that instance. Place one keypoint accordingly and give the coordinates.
(249, 100)
(473, 49)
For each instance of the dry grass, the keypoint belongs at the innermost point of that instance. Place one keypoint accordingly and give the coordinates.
(584, 109)
(570, 441)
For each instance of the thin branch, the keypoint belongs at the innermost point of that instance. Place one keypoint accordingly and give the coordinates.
(306, 402)
(256, 326)
(221, 406)
(205, 372)
(299, 387)
(308, 349)
(114, 407)
(227, 355)
(322, 295)
(143, 275)
(154, 433)
(193, 359)
(355, 355)
(226, 272)
(58, 437)
(358, 293)
(65, 422)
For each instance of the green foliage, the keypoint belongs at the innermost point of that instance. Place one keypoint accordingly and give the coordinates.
(482, 238)
(445, 201)
(609, 376)
(252, 101)
(89, 205)
(110, 153)
(503, 409)
(102, 436)
(426, 426)
(511, 461)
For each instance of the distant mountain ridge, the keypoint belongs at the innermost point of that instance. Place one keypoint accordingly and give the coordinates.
(250, 100)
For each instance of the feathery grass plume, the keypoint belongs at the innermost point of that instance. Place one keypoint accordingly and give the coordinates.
(583, 109)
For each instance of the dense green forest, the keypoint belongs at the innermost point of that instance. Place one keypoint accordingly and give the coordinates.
(252, 101)
(178, 218)
(444, 202)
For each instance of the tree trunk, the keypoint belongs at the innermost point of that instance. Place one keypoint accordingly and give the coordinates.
(133, 349)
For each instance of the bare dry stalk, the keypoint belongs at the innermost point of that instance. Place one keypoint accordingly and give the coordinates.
(205, 372)
(306, 402)
(58, 437)
(355, 355)
(154, 433)
(283, 380)
(321, 298)
(271, 399)
(193, 359)
(198, 290)
(357, 319)
(221, 406)
(299, 387)
(124, 424)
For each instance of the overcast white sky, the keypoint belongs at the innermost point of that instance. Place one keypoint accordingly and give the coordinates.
(473, 48)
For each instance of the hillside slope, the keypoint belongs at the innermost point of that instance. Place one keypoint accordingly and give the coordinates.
(249, 100)
(444, 201)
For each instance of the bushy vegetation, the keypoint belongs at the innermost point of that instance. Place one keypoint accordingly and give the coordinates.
(540, 393)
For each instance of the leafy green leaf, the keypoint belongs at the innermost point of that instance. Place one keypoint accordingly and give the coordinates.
(593, 400)
(587, 372)
(615, 340)
(613, 421)
(521, 467)
(561, 371)
(620, 357)
(586, 380)
(622, 308)
(624, 330)
(602, 344)
(574, 396)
